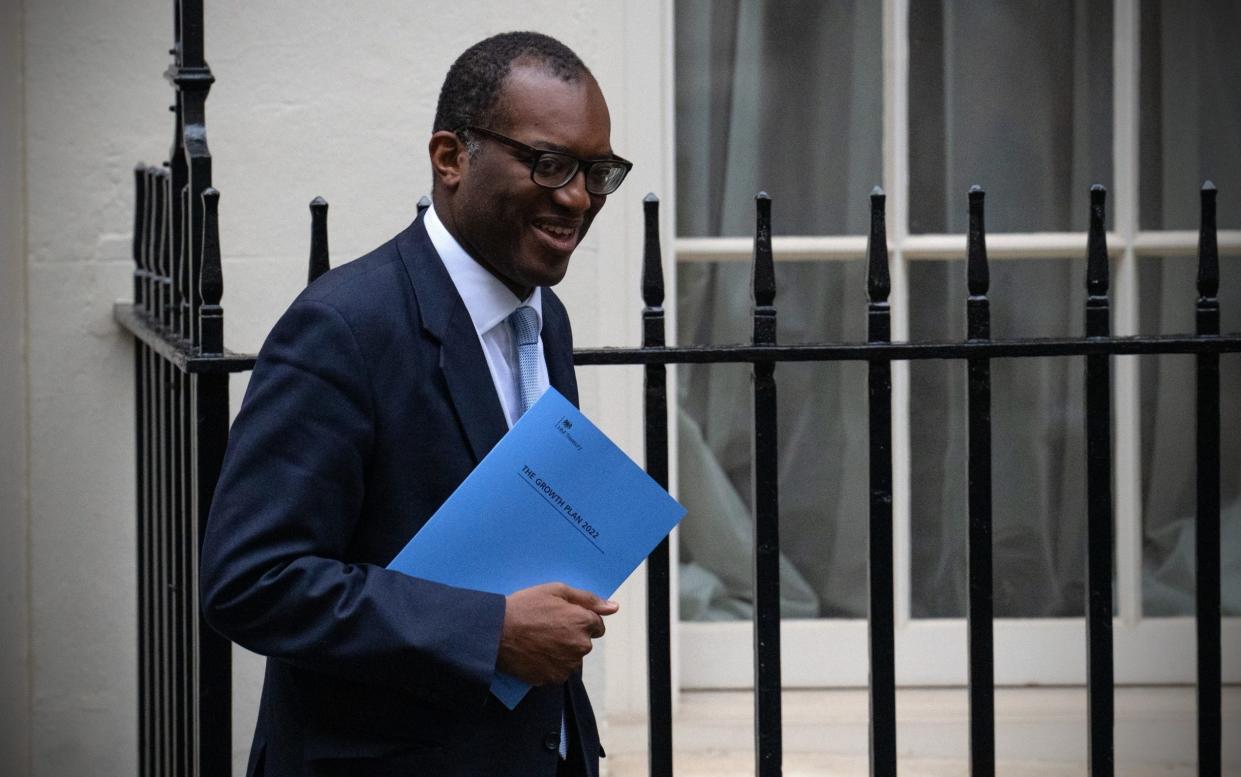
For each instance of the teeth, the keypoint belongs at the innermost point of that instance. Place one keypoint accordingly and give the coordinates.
(556, 231)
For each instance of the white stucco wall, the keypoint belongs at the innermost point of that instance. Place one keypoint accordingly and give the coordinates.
(313, 98)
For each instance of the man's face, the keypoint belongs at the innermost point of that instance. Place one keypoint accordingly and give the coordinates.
(520, 231)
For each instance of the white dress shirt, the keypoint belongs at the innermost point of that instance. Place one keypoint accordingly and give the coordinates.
(489, 302)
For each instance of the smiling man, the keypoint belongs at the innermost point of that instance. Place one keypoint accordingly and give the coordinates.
(375, 395)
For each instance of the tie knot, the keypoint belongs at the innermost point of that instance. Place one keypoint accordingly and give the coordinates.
(525, 325)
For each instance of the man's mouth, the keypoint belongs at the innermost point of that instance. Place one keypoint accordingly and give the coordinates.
(562, 236)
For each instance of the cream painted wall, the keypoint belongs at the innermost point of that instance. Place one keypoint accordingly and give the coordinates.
(14, 524)
(312, 98)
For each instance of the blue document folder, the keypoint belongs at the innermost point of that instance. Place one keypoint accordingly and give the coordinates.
(554, 500)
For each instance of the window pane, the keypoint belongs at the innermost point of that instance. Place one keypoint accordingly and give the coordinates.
(785, 97)
(822, 437)
(1015, 97)
(1191, 110)
(1169, 453)
(1038, 443)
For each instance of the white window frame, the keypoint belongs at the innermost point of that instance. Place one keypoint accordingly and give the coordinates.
(933, 652)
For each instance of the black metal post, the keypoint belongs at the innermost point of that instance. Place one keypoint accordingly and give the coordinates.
(882, 633)
(1099, 530)
(767, 713)
(1207, 535)
(319, 261)
(980, 614)
(658, 565)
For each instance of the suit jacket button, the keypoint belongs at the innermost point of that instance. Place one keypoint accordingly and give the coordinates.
(552, 741)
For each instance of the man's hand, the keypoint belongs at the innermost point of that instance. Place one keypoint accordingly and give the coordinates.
(547, 630)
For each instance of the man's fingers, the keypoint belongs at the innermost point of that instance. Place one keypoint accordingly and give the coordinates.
(588, 600)
(597, 628)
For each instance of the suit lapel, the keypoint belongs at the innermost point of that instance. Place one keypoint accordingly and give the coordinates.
(445, 318)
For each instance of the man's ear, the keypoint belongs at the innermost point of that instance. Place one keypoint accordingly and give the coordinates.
(449, 158)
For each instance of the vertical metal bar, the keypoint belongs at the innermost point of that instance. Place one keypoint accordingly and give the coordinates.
(190, 20)
(767, 713)
(658, 574)
(882, 603)
(168, 550)
(185, 595)
(150, 472)
(319, 261)
(158, 578)
(211, 668)
(981, 610)
(213, 679)
(1207, 540)
(168, 480)
(192, 78)
(1099, 530)
(160, 451)
(149, 593)
(178, 516)
(139, 240)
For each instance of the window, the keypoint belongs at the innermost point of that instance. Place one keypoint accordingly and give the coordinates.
(816, 103)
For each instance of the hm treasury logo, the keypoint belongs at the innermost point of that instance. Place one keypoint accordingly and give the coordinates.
(565, 426)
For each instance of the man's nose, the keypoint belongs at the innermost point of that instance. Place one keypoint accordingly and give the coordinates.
(573, 195)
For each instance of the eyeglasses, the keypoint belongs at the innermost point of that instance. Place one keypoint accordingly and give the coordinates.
(554, 169)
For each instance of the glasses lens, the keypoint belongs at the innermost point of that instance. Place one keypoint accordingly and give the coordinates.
(605, 177)
(554, 170)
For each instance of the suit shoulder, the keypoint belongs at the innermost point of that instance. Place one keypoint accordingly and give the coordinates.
(367, 270)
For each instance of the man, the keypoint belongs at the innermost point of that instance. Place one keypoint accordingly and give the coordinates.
(377, 392)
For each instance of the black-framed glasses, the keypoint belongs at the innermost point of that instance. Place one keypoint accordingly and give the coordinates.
(554, 169)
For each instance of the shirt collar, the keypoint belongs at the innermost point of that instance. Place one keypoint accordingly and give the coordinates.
(488, 301)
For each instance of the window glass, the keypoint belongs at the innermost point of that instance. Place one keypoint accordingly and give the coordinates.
(1014, 97)
(822, 441)
(1037, 440)
(784, 96)
(1169, 448)
(1190, 112)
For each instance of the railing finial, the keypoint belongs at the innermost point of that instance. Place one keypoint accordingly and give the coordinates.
(1208, 247)
(878, 281)
(211, 281)
(1097, 275)
(652, 256)
(978, 276)
(763, 278)
(319, 261)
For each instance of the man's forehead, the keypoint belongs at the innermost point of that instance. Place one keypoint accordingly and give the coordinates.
(562, 114)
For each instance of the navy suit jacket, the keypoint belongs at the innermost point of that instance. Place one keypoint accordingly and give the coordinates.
(370, 402)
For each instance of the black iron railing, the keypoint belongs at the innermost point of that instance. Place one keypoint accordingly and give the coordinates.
(181, 426)
(181, 373)
(976, 351)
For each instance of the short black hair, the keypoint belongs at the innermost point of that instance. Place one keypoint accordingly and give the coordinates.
(471, 89)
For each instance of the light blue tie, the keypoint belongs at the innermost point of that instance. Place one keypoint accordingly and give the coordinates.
(524, 324)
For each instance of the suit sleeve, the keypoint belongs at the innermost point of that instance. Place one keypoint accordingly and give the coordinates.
(287, 504)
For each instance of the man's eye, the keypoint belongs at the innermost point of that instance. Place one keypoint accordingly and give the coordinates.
(550, 165)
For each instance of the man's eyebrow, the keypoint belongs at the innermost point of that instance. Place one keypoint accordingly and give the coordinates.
(547, 145)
